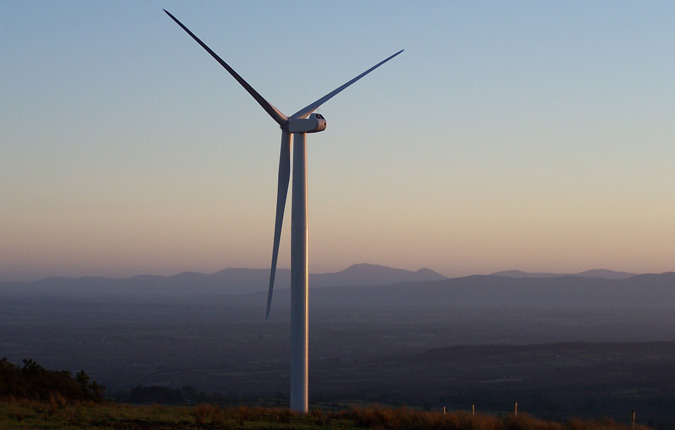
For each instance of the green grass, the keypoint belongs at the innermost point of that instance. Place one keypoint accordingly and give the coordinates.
(58, 414)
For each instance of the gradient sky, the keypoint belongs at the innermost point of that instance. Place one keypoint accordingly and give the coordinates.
(509, 135)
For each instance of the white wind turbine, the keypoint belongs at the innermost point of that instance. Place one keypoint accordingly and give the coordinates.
(298, 124)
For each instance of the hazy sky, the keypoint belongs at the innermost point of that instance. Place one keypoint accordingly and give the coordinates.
(509, 135)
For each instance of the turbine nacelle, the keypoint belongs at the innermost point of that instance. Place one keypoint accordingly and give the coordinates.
(314, 124)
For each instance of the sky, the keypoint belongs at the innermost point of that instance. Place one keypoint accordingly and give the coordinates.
(509, 135)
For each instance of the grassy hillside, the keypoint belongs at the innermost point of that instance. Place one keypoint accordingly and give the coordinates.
(25, 414)
(32, 397)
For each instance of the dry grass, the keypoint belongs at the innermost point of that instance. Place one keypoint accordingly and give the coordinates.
(59, 414)
(409, 419)
(210, 414)
(405, 418)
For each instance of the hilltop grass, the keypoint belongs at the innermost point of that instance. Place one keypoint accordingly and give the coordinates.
(57, 414)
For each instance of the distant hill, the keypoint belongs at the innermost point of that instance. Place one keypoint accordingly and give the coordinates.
(596, 273)
(372, 274)
(231, 281)
(650, 291)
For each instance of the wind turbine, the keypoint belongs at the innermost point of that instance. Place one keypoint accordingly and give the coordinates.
(298, 125)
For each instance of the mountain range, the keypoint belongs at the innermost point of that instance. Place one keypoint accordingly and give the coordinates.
(232, 281)
(640, 292)
(367, 285)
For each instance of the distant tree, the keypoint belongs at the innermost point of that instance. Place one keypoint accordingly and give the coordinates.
(82, 380)
(97, 390)
(9, 378)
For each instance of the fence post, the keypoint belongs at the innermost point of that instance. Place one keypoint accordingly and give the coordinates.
(515, 409)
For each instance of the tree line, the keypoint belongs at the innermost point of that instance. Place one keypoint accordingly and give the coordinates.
(34, 382)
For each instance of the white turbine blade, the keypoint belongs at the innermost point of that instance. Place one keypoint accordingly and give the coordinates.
(275, 113)
(282, 192)
(304, 112)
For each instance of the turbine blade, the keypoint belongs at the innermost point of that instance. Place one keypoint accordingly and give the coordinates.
(304, 112)
(282, 192)
(275, 113)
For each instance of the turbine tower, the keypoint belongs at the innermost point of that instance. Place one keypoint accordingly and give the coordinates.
(298, 125)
